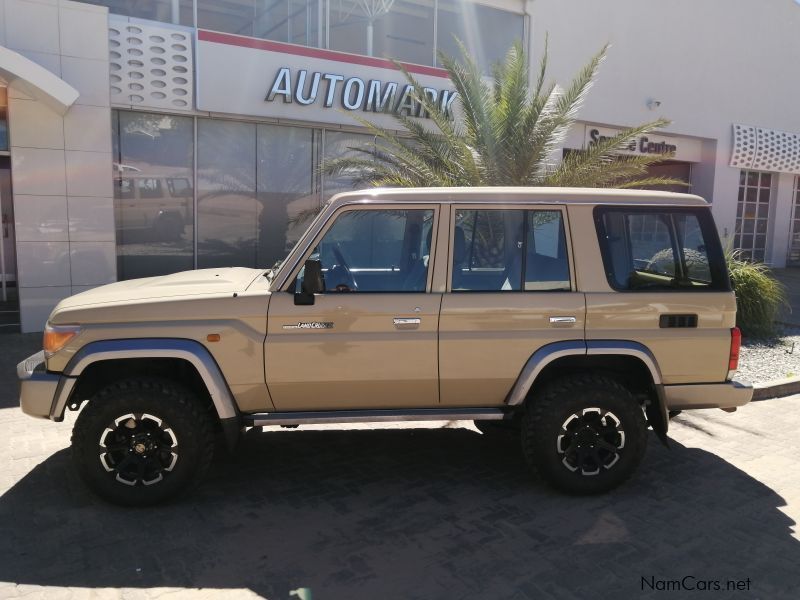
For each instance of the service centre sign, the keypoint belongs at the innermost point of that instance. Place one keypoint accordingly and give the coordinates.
(682, 149)
(247, 76)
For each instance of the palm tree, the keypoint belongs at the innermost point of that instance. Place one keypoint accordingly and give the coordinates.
(505, 134)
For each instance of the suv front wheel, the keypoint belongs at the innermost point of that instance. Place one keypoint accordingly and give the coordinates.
(584, 434)
(142, 441)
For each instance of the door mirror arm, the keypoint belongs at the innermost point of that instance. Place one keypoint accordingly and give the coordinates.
(313, 283)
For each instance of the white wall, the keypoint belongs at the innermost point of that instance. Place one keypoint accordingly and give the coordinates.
(60, 166)
(710, 63)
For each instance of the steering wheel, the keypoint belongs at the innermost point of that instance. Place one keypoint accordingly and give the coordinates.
(350, 284)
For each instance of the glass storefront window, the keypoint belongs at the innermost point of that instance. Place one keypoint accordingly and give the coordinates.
(395, 29)
(339, 144)
(167, 11)
(255, 183)
(288, 193)
(294, 21)
(227, 209)
(477, 27)
(153, 197)
(400, 29)
(3, 119)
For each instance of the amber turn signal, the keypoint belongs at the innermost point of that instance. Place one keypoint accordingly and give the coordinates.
(212, 337)
(57, 336)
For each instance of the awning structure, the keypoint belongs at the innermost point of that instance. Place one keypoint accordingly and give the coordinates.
(36, 81)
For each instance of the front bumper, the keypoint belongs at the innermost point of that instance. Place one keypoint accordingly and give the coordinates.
(38, 389)
(730, 394)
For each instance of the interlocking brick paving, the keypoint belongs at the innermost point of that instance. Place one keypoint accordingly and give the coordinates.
(407, 511)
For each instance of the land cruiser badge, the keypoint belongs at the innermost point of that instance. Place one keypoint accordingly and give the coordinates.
(311, 325)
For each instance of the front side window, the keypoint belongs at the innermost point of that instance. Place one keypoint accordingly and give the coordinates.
(646, 249)
(376, 251)
(498, 250)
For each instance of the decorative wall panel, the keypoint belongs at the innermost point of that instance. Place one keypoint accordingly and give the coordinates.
(765, 149)
(151, 64)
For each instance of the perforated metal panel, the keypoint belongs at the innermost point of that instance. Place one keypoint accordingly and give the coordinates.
(151, 64)
(765, 149)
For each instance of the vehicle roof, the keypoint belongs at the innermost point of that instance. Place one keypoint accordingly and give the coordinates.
(500, 195)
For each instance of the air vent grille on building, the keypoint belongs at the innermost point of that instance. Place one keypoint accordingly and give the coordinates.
(151, 64)
(765, 149)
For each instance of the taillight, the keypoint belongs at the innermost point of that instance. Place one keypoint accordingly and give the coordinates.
(736, 344)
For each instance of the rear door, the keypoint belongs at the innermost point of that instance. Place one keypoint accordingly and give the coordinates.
(511, 291)
(670, 288)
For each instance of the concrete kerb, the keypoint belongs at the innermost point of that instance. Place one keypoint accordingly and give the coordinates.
(777, 388)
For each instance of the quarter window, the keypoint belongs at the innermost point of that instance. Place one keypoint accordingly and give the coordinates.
(509, 250)
(660, 250)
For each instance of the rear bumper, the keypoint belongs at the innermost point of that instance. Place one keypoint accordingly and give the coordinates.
(730, 394)
(39, 389)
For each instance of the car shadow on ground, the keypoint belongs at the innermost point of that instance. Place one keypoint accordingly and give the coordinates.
(410, 513)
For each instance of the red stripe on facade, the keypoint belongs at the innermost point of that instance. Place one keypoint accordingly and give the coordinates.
(353, 59)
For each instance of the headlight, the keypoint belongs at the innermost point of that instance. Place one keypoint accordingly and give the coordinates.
(57, 336)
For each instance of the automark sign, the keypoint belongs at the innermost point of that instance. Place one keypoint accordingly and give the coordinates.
(247, 76)
(354, 93)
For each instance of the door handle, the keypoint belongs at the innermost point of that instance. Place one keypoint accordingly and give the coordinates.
(563, 321)
(406, 323)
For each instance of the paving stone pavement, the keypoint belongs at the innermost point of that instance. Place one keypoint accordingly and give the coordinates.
(428, 512)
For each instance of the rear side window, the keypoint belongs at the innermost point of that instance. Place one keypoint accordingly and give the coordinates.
(660, 249)
(498, 250)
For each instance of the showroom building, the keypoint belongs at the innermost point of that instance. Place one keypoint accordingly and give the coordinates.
(145, 138)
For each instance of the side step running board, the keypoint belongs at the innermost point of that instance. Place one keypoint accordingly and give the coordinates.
(372, 416)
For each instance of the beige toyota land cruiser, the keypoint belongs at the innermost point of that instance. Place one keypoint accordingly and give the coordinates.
(580, 317)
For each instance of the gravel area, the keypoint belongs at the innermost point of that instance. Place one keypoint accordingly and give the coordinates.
(765, 360)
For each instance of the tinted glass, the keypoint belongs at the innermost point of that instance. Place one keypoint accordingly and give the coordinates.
(3, 119)
(402, 30)
(154, 226)
(256, 183)
(293, 21)
(165, 11)
(493, 248)
(377, 251)
(487, 250)
(288, 190)
(477, 27)
(661, 249)
(341, 144)
(227, 208)
(546, 262)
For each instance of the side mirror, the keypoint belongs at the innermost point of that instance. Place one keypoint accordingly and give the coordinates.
(313, 283)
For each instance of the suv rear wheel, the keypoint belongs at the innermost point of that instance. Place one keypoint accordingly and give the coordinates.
(142, 441)
(584, 434)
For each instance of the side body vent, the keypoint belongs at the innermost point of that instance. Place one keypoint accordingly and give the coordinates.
(684, 321)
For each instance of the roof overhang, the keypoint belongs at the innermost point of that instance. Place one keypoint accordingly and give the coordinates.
(36, 81)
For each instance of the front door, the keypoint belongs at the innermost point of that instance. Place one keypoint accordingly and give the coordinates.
(511, 292)
(371, 339)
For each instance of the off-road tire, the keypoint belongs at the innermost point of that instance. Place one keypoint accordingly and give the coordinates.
(178, 409)
(552, 406)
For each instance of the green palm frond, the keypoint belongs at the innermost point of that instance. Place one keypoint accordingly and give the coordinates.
(505, 133)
